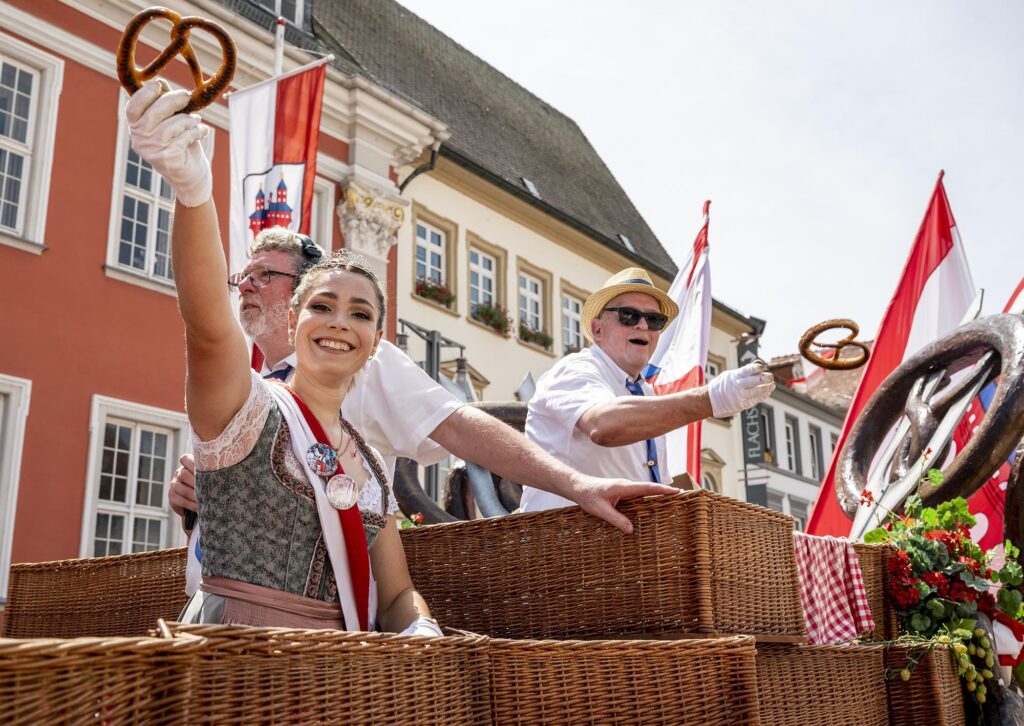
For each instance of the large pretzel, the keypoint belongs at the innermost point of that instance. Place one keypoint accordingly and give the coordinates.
(206, 91)
(835, 363)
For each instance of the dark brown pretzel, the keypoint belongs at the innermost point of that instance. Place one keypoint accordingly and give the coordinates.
(836, 363)
(205, 92)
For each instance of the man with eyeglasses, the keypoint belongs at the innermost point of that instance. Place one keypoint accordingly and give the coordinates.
(593, 410)
(397, 407)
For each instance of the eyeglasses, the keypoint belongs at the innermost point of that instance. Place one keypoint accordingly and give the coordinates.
(631, 316)
(259, 276)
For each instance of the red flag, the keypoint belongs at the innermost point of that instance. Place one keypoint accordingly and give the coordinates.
(986, 504)
(934, 292)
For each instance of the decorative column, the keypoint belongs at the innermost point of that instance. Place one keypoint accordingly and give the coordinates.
(370, 220)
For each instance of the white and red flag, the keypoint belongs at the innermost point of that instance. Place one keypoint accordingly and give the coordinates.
(678, 361)
(275, 130)
(987, 503)
(933, 294)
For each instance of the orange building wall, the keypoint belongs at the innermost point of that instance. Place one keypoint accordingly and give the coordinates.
(66, 326)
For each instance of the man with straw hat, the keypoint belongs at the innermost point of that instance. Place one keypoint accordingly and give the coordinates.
(594, 411)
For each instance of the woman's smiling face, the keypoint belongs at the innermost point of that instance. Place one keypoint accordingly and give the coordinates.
(335, 331)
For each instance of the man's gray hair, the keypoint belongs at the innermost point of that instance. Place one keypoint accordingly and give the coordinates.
(279, 238)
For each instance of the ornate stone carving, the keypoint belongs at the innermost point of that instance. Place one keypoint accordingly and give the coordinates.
(370, 220)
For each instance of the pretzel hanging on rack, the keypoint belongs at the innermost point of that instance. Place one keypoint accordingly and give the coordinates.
(206, 91)
(834, 363)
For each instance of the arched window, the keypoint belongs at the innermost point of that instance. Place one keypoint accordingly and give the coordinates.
(708, 482)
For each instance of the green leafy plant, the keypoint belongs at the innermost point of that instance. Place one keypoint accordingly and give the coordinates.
(940, 581)
(528, 334)
(415, 520)
(493, 316)
(434, 290)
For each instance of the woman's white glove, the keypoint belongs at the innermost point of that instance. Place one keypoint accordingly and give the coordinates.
(423, 626)
(740, 388)
(169, 140)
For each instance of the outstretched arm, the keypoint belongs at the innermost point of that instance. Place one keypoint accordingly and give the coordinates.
(628, 419)
(476, 436)
(218, 381)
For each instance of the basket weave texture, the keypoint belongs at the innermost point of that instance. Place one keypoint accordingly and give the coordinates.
(624, 682)
(697, 562)
(109, 681)
(821, 685)
(933, 695)
(248, 675)
(100, 596)
(873, 559)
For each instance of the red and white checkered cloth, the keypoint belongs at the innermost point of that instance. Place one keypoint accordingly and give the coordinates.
(831, 589)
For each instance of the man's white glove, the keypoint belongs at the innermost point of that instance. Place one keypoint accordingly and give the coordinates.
(169, 140)
(423, 626)
(741, 388)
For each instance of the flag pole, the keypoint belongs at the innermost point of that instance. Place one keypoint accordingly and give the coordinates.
(279, 47)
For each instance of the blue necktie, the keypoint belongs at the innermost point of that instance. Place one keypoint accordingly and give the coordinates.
(635, 388)
(281, 375)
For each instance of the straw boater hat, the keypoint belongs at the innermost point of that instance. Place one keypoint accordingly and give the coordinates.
(632, 279)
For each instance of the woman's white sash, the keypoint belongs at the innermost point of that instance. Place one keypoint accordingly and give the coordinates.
(301, 439)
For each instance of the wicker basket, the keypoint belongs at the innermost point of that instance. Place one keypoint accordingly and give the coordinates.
(873, 559)
(101, 596)
(624, 681)
(697, 562)
(933, 695)
(108, 681)
(274, 675)
(826, 685)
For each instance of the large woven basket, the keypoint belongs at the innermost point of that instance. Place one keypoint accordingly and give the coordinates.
(696, 563)
(275, 675)
(821, 685)
(106, 681)
(873, 559)
(704, 682)
(933, 695)
(100, 596)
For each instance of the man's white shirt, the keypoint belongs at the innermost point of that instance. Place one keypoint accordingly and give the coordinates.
(395, 405)
(572, 387)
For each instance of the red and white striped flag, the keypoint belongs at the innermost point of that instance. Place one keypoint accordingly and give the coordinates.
(275, 130)
(987, 504)
(934, 293)
(678, 361)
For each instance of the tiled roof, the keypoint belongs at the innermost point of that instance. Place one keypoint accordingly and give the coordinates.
(499, 130)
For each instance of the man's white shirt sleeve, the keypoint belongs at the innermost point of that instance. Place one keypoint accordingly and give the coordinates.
(396, 406)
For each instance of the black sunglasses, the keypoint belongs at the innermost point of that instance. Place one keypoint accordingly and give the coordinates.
(631, 316)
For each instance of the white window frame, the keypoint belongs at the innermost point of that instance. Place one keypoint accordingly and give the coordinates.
(789, 428)
(711, 370)
(16, 394)
(113, 268)
(300, 10)
(427, 247)
(322, 214)
(482, 273)
(104, 408)
(572, 323)
(817, 463)
(528, 296)
(42, 132)
(786, 501)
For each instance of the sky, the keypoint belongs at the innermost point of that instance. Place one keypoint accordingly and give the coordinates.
(817, 129)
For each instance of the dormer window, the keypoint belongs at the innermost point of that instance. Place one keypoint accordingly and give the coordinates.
(290, 10)
(531, 187)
